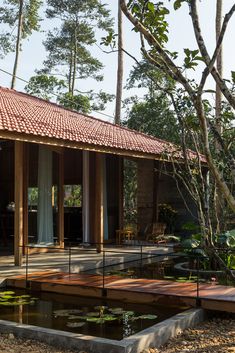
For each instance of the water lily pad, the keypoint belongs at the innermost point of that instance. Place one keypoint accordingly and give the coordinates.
(109, 318)
(7, 297)
(93, 314)
(148, 317)
(117, 311)
(7, 293)
(61, 312)
(97, 320)
(129, 313)
(169, 277)
(75, 324)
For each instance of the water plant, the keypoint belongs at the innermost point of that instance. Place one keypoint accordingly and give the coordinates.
(101, 315)
(9, 298)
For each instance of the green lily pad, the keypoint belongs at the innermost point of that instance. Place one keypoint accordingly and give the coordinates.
(129, 313)
(93, 314)
(61, 312)
(169, 277)
(97, 320)
(117, 311)
(110, 318)
(148, 317)
(75, 324)
(8, 297)
(7, 293)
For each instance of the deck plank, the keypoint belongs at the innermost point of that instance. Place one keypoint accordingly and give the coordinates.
(213, 296)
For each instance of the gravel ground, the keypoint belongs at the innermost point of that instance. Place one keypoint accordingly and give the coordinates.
(214, 336)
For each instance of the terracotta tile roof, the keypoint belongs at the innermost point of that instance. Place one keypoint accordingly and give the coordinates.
(25, 114)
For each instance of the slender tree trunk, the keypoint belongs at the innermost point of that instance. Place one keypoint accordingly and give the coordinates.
(120, 68)
(74, 69)
(18, 42)
(70, 70)
(218, 99)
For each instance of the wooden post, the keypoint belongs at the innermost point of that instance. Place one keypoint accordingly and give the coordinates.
(19, 204)
(99, 202)
(156, 174)
(61, 201)
(25, 196)
(120, 192)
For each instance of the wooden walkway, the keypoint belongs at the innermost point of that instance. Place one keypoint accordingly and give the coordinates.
(215, 297)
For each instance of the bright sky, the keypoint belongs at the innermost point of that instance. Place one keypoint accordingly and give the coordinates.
(181, 36)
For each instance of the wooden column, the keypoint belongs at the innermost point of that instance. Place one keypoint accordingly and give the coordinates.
(156, 174)
(19, 204)
(61, 200)
(120, 192)
(99, 201)
(25, 196)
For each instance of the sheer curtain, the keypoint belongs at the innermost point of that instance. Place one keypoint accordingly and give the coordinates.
(45, 211)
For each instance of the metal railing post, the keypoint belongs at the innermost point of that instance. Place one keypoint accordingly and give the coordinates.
(69, 259)
(104, 290)
(198, 301)
(27, 267)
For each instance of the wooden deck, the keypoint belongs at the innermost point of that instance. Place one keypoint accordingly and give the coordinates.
(215, 297)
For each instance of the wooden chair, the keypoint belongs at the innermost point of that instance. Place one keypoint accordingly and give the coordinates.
(156, 233)
(129, 232)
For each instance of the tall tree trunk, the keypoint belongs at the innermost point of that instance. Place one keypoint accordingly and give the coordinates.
(18, 42)
(218, 99)
(74, 69)
(117, 119)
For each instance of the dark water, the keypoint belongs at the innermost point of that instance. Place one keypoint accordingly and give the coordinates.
(42, 313)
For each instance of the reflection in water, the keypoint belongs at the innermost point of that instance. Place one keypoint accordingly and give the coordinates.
(101, 318)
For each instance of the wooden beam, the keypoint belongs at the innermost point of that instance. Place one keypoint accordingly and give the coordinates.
(61, 201)
(25, 196)
(19, 204)
(52, 141)
(99, 201)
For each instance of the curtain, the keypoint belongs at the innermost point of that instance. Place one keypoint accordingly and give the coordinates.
(45, 211)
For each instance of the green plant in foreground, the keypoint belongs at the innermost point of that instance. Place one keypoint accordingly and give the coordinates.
(9, 298)
(102, 315)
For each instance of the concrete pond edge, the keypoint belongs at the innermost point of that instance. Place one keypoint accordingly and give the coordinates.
(154, 336)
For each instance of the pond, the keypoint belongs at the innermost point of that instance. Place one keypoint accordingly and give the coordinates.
(100, 318)
(174, 268)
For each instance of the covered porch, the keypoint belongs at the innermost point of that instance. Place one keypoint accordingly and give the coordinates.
(62, 178)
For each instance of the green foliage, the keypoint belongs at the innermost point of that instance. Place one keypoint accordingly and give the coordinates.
(67, 45)
(77, 102)
(153, 115)
(154, 17)
(167, 214)
(192, 58)
(44, 86)
(226, 239)
(73, 196)
(130, 192)
(9, 14)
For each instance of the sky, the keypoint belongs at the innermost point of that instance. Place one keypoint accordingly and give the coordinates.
(180, 37)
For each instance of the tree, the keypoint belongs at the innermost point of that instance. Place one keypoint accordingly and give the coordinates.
(120, 68)
(150, 20)
(23, 16)
(67, 45)
(154, 114)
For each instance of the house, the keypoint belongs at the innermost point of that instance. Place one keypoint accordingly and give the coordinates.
(45, 148)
